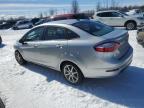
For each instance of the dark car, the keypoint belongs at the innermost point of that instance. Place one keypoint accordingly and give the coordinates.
(41, 21)
(69, 16)
(7, 25)
(35, 20)
(62, 17)
(0, 40)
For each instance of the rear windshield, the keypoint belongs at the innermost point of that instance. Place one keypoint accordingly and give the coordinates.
(93, 27)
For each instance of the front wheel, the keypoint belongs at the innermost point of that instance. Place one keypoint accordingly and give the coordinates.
(130, 25)
(19, 58)
(0, 40)
(72, 73)
(30, 26)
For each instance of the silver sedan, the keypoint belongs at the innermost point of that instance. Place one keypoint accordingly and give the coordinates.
(78, 48)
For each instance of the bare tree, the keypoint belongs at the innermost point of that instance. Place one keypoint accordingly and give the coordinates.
(75, 7)
(114, 4)
(51, 12)
(107, 4)
(98, 6)
(41, 15)
(45, 14)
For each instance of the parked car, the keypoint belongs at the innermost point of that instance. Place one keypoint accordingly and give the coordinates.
(35, 20)
(7, 25)
(41, 21)
(78, 48)
(140, 36)
(63, 17)
(0, 40)
(23, 24)
(136, 13)
(118, 18)
(69, 16)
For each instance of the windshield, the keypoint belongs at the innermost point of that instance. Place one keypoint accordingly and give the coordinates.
(124, 13)
(94, 28)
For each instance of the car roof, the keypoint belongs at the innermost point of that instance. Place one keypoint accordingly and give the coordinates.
(108, 11)
(23, 21)
(67, 15)
(63, 22)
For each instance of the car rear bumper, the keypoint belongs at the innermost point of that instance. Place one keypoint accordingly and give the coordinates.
(140, 37)
(140, 41)
(109, 72)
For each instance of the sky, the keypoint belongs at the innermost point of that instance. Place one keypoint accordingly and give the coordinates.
(35, 7)
(121, 2)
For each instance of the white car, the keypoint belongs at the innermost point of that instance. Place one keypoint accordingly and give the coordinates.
(136, 13)
(120, 19)
(24, 24)
(78, 48)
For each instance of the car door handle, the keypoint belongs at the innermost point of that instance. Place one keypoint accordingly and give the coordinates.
(59, 46)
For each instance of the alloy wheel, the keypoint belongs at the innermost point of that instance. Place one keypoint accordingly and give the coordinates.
(71, 73)
(130, 26)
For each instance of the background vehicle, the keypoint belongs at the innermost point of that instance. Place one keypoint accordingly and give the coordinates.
(7, 25)
(63, 17)
(35, 20)
(117, 18)
(41, 21)
(23, 24)
(140, 36)
(78, 48)
(136, 13)
(0, 40)
(69, 16)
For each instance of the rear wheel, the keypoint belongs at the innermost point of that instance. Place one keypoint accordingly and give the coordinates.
(19, 58)
(72, 73)
(2, 104)
(30, 26)
(15, 28)
(130, 25)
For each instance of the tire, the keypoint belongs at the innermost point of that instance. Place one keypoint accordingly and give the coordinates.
(15, 28)
(19, 58)
(72, 73)
(2, 104)
(0, 40)
(130, 25)
(30, 26)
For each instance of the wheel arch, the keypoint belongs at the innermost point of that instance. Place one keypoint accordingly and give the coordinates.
(72, 62)
(67, 61)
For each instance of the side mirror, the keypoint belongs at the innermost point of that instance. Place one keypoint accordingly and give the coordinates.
(22, 41)
(122, 16)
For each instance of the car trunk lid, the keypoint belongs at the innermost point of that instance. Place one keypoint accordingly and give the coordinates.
(120, 36)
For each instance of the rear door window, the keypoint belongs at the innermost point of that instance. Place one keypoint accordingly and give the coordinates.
(115, 14)
(54, 33)
(71, 35)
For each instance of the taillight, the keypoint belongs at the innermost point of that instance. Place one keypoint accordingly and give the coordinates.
(107, 47)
